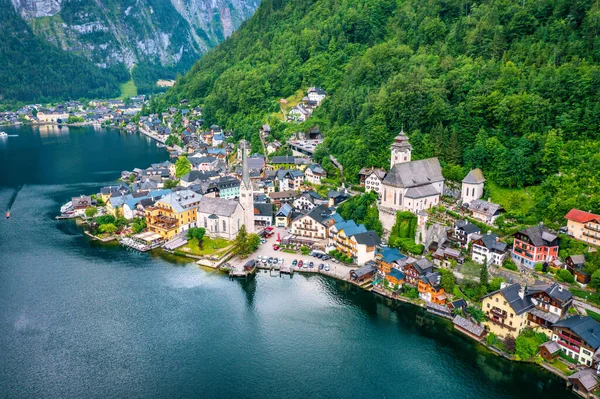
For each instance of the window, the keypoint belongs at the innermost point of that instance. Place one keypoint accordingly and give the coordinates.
(488, 305)
(205, 223)
(224, 226)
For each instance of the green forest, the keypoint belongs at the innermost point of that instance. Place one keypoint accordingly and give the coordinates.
(33, 70)
(512, 87)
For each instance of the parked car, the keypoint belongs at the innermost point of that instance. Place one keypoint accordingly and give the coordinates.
(281, 260)
(300, 263)
(321, 266)
(270, 259)
(327, 268)
(312, 253)
(311, 264)
(275, 261)
(306, 265)
(263, 241)
(264, 260)
(259, 258)
(295, 262)
(276, 247)
(325, 257)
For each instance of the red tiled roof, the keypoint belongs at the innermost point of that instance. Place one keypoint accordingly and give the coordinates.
(581, 216)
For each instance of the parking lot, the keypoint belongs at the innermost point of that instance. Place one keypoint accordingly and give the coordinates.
(337, 270)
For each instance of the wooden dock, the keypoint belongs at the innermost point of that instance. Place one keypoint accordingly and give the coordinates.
(241, 273)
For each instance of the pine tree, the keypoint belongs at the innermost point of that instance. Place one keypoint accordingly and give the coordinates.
(484, 276)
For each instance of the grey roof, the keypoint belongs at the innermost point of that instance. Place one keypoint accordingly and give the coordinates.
(540, 235)
(368, 238)
(466, 226)
(475, 176)
(423, 265)
(487, 208)
(401, 141)
(263, 209)
(316, 168)
(421, 192)
(584, 326)
(587, 377)
(511, 294)
(363, 271)
(578, 259)
(432, 279)
(283, 159)
(320, 214)
(198, 175)
(284, 210)
(468, 325)
(554, 291)
(490, 242)
(551, 346)
(182, 200)
(217, 206)
(415, 173)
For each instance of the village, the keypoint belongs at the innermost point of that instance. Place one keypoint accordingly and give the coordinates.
(436, 245)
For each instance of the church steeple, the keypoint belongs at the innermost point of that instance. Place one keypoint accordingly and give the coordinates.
(401, 149)
(246, 192)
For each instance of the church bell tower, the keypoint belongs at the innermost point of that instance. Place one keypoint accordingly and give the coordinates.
(401, 149)
(247, 193)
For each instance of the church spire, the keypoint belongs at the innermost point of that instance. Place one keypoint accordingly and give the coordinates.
(246, 192)
(245, 171)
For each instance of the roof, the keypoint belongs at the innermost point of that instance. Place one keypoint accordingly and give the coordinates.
(368, 238)
(581, 216)
(578, 259)
(491, 241)
(415, 173)
(283, 194)
(587, 377)
(397, 274)
(551, 346)
(321, 214)
(432, 279)
(217, 206)
(554, 291)
(390, 254)
(284, 210)
(364, 270)
(467, 227)
(475, 176)
(468, 325)
(421, 192)
(195, 175)
(512, 295)
(316, 168)
(485, 207)
(283, 159)
(181, 200)
(263, 209)
(584, 326)
(422, 265)
(540, 236)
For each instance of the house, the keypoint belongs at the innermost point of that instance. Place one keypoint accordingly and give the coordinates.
(430, 289)
(196, 177)
(583, 226)
(228, 187)
(289, 179)
(411, 185)
(374, 180)
(308, 200)
(506, 310)
(395, 278)
(415, 269)
(174, 213)
(385, 258)
(578, 337)
(218, 139)
(574, 264)
(354, 241)
(282, 197)
(283, 216)
(485, 211)
(315, 225)
(551, 301)
(273, 146)
(584, 382)
(314, 173)
(135, 207)
(534, 245)
(107, 191)
(472, 186)
(221, 217)
(443, 257)
(337, 197)
(316, 95)
(363, 274)
(549, 350)
(80, 204)
(299, 113)
(263, 214)
(488, 249)
(463, 231)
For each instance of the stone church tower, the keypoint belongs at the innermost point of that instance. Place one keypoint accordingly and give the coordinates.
(401, 149)
(247, 193)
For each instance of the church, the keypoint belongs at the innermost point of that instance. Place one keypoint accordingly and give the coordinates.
(411, 185)
(223, 217)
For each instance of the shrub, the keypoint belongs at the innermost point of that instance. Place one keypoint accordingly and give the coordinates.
(539, 267)
(476, 313)
(509, 264)
(565, 275)
(410, 292)
(304, 250)
(510, 344)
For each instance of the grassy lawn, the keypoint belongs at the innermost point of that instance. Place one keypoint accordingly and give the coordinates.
(210, 246)
(128, 89)
(591, 297)
(293, 100)
(557, 363)
(512, 199)
(470, 269)
(593, 315)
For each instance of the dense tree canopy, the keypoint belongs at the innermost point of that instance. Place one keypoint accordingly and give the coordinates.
(511, 87)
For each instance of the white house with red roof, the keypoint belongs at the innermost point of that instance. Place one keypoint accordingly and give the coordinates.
(583, 226)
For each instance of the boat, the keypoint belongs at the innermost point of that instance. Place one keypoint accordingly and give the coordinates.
(66, 207)
(160, 145)
(3, 134)
(7, 214)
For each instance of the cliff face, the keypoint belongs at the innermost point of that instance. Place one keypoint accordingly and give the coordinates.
(165, 32)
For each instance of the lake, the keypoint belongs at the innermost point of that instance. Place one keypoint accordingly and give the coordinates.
(80, 319)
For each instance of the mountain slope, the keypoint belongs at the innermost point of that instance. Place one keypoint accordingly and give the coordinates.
(511, 87)
(161, 36)
(33, 70)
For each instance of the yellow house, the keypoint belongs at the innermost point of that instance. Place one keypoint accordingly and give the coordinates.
(507, 310)
(173, 214)
(583, 226)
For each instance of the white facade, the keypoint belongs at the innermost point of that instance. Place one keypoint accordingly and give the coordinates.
(246, 198)
(303, 203)
(373, 183)
(396, 198)
(307, 227)
(583, 356)
(471, 192)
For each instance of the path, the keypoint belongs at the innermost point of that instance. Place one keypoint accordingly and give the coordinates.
(586, 306)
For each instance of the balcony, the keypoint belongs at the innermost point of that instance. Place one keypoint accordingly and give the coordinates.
(568, 339)
(502, 325)
(591, 227)
(499, 313)
(573, 348)
(592, 235)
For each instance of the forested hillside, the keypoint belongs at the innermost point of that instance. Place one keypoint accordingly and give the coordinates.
(33, 70)
(510, 86)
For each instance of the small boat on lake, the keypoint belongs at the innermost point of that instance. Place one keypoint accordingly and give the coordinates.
(3, 134)
(7, 214)
(160, 145)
